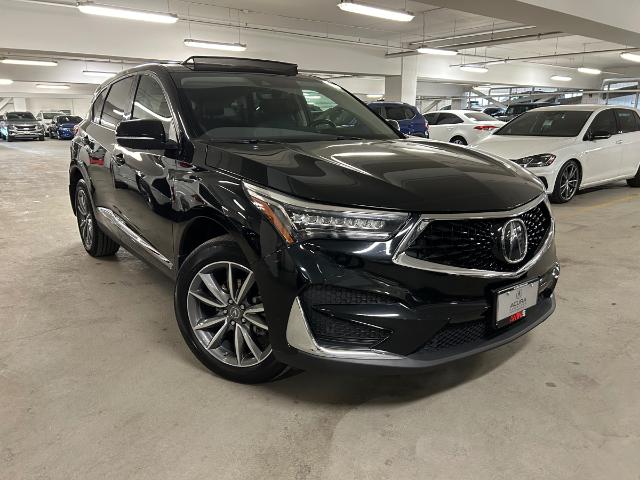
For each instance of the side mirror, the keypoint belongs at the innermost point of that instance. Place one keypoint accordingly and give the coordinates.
(394, 124)
(142, 134)
(599, 135)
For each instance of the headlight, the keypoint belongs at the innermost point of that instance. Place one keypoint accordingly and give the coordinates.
(297, 219)
(540, 160)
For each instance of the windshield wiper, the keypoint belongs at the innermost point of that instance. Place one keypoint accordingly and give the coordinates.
(343, 137)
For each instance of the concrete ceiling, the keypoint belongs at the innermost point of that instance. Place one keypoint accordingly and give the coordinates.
(322, 38)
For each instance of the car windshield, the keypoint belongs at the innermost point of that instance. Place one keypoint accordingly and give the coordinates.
(259, 107)
(547, 123)
(69, 119)
(20, 116)
(49, 115)
(479, 117)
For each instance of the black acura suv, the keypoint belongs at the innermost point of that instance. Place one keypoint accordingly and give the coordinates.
(302, 229)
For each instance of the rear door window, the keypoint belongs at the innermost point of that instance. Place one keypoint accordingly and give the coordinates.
(604, 122)
(396, 112)
(626, 120)
(409, 113)
(117, 103)
(448, 119)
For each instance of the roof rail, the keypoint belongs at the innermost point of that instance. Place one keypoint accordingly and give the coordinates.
(235, 64)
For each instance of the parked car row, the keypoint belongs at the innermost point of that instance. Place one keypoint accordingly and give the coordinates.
(26, 126)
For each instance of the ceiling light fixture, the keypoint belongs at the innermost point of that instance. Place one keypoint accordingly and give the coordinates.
(561, 78)
(37, 63)
(364, 9)
(474, 68)
(55, 86)
(126, 13)
(5, 81)
(436, 51)
(632, 57)
(590, 71)
(233, 47)
(97, 73)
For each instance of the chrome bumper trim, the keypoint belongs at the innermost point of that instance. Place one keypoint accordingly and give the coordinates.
(300, 337)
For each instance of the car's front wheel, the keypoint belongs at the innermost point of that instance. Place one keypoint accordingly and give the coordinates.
(220, 313)
(567, 182)
(635, 181)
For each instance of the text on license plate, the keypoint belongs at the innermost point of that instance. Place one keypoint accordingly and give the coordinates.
(511, 304)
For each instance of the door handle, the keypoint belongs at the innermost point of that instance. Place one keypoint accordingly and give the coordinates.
(118, 158)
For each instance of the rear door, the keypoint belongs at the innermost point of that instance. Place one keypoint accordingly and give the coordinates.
(444, 126)
(98, 139)
(602, 158)
(143, 195)
(629, 133)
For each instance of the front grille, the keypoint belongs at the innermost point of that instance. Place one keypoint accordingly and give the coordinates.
(330, 331)
(474, 243)
(456, 334)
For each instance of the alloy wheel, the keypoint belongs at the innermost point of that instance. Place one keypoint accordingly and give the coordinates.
(227, 316)
(85, 219)
(569, 180)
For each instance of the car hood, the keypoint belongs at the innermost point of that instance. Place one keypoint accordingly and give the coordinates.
(414, 176)
(513, 147)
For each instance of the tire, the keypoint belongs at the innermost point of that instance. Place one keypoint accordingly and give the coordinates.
(567, 182)
(458, 141)
(215, 344)
(9, 138)
(635, 181)
(41, 138)
(94, 240)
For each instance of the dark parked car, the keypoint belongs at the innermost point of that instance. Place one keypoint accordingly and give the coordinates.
(410, 120)
(516, 109)
(298, 241)
(20, 126)
(62, 126)
(494, 111)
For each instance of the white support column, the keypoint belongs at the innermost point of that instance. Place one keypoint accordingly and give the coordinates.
(402, 88)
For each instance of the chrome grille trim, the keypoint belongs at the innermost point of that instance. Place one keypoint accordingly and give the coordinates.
(401, 258)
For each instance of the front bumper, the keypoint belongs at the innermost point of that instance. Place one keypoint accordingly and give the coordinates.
(346, 305)
(64, 134)
(24, 133)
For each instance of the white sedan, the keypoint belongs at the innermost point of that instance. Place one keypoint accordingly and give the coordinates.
(464, 127)
(571, 147)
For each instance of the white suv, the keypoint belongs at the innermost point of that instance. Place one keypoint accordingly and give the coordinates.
(571, 147)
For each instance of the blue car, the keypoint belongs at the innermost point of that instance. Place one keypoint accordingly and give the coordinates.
(411, 121)
(62, 126)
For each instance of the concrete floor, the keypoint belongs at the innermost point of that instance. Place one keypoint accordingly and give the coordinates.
(96, 382)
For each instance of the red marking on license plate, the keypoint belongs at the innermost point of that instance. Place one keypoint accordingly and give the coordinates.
(517, 316)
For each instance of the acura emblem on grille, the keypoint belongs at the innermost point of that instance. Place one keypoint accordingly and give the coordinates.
(514, 241)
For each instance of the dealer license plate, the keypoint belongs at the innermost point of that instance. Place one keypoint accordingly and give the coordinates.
(512, 302)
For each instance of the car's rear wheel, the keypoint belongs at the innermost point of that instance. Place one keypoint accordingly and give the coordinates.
(635, 181)
(458, 141)
(94, 240)
(567, 182)
(220, 314)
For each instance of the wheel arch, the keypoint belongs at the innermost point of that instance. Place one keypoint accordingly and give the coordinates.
(75, 175)
(196, 232)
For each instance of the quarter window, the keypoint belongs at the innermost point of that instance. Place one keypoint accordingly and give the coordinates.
(96, 109)
(150, 103)
(626, 120)
(116, 103)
